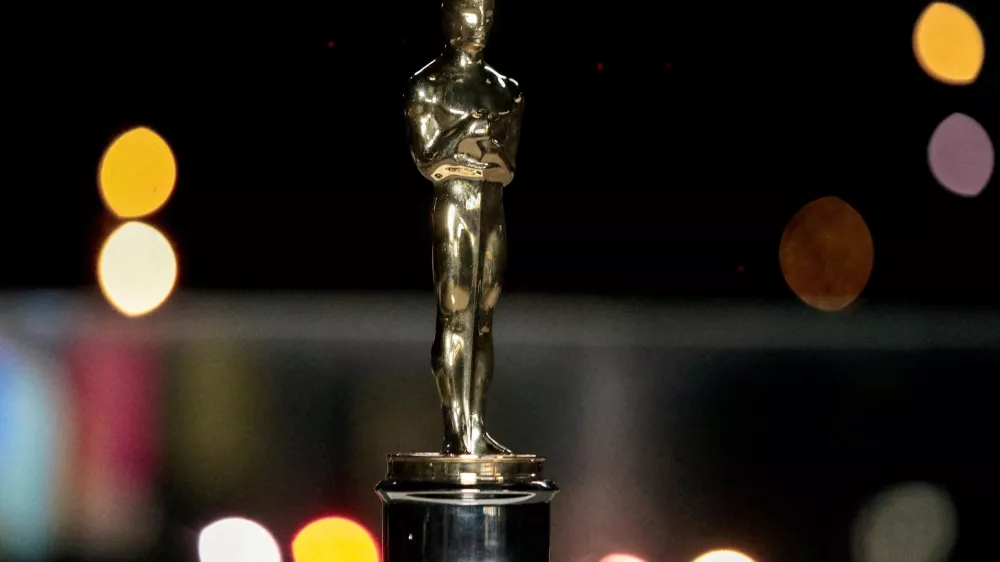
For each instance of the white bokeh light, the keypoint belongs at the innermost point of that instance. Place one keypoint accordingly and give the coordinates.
(237, 540)
(908, 522)
(137, 268)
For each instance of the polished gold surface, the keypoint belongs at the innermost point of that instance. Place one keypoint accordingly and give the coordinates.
(464, 120)
(465, 469)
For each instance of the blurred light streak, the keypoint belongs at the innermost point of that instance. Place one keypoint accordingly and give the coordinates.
(137, 268)
(367, 404)
(911, 522)
(237, 540)
(961, 155)
(219, 421)
(137, 173)
(948, 44)
(334, 539)
(827, 254)
(31, 427)
(116, 396)
(549, 320)
(724, 556)
(612, 506)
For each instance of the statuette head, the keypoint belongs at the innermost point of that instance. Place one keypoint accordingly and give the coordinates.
(467, 23)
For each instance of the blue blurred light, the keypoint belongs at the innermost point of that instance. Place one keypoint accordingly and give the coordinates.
(28, 444)
(6, 389)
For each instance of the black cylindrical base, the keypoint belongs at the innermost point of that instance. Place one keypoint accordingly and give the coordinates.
(427, 518)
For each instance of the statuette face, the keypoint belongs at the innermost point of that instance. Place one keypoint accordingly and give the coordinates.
(464, 122)
(467, 23)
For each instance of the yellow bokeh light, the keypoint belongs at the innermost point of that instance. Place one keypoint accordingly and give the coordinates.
(621, 558)
(137, 173)
(334, 539)
(137, 268)
(724, 556)
(948, 44)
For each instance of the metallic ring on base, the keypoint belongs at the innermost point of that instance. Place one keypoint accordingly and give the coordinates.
(464, 469)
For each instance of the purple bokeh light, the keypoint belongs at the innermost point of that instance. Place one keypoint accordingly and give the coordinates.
(961, 155)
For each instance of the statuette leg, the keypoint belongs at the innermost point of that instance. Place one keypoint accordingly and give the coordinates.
(469, 252)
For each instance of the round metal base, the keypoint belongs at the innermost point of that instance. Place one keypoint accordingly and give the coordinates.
(465, 509)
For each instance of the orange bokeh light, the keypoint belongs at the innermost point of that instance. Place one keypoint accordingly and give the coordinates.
(827, 254)
(334, 539)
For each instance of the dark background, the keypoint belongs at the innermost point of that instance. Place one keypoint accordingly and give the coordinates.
(662, 174)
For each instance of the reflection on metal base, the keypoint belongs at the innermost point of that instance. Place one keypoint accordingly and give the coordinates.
(465, 509)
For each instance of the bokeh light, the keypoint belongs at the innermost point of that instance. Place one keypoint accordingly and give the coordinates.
(334, 539)
(220, 425)
(961, 155)
(724, 556)
(621, 558)
(948, 44)
(31, 423)
(137, 268)
(911, 522)
(115, 402)
(237, 540)
(827, 254)
(137, 173)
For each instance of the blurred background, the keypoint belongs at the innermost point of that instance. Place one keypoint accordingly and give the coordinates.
(751, 308)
